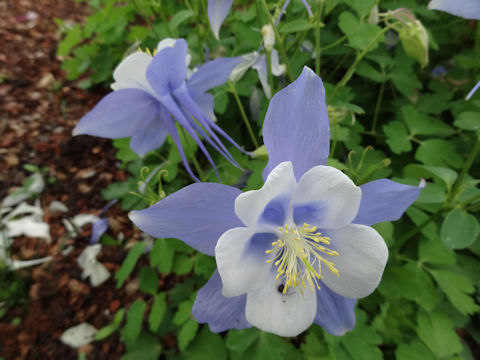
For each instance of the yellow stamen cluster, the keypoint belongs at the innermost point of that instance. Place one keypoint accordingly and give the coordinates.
(149, 52)
(296, 255)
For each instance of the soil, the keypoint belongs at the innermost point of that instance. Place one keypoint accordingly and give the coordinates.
(38, 109)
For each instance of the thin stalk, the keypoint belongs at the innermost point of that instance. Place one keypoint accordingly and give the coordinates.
(335, 43)
(339, 65)
(147, 19)
(400, 242)
(279, 38)
(377, 107)
(334, 140)
(318, 27)
(188, 150)
(471, 157)
(477, 47)
(353, 67)
(243, 113)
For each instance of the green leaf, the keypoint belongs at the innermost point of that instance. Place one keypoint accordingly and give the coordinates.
(159, 308)
(397, 137)
(240, 340)
(446, 175)
(162, 255)
(187, 333)
(313, 348)
(147, 347)
(434, 252)
(438, 152)
(409, 282)
(459, 229)
(422, 124)
(206, 345)
(414, 350)
(359, 34)
(133, 326)
(183, 313)
(468, 121)
(437, 332)
(457, 287)
(361, 343)
(362, 8)
(108, 330)
(129, 263)
(368, 71)
(148, 281)
(419, 217)
(74, 36)
(296, 25)
(183, 264)
(204, 265)
(180, 17)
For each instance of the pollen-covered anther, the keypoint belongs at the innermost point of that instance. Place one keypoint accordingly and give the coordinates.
(298, 257)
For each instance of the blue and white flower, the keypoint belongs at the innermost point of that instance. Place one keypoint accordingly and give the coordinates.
(299, 250)
(217, 11)
(151, 94)
(468, 9)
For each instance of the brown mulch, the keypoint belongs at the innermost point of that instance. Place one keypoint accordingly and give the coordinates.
(38, 109)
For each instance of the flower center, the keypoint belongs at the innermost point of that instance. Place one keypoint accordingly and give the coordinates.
(298, 257)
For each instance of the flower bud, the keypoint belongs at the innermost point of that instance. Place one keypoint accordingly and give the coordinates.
(412, 34)
(414, 40)
(268, 36)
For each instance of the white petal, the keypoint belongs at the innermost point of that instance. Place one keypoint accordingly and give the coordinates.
(29, 227)
(18, 264)
(248, 61)
(277, 68)
(84, 219)
(330, 190)
(25, 208)
(282, 314)
(361, 260)
(79, 335)
(99, 274)
(56, 205)
(280, 182)
(240, 268)
(130, 73)
(167, 42)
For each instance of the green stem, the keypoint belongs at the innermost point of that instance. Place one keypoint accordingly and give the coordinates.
(353, 67)
(377, 107)
(244, 115)
(186, 141)
(334, 141)
(279, 39)
(477, 47)
(400, 242)
(333, 44)
(456, 186)
(318, 27)
(470, 200)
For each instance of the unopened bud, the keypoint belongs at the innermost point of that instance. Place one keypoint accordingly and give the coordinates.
(268, 36)
(414, 40)
(412, 33)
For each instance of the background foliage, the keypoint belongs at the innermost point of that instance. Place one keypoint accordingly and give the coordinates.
(389, 118)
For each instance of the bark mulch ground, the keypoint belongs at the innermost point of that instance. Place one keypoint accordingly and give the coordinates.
(38, 109)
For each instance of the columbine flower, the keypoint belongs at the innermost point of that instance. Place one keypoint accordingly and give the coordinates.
(298, 251)
(217, 11)
(468, 9)
(258, 62)
(151, 94)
